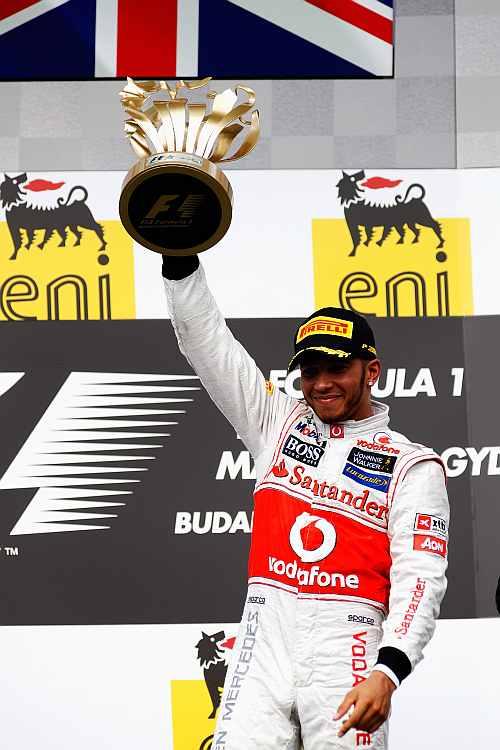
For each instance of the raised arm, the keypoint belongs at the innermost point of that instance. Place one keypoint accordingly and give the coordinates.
(226, 370)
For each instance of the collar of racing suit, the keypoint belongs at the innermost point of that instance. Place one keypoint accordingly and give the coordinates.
(379, 420)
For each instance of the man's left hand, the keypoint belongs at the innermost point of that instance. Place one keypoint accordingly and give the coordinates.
(372, 702)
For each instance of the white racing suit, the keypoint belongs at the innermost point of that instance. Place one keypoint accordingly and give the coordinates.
(348, 555)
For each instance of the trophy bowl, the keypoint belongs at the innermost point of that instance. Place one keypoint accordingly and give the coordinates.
(175, 200)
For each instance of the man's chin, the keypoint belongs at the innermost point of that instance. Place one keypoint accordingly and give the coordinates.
(331, 416)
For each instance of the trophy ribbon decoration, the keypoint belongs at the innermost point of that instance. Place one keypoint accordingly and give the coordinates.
(175, 200)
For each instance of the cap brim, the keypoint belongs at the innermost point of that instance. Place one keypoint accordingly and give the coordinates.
(340, 354)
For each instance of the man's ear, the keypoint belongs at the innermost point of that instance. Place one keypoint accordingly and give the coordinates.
(373, 370)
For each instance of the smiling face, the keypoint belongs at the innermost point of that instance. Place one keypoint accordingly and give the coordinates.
(338, 390)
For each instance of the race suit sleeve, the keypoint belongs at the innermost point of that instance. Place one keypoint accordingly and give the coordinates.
(229, 374)
(418, 531)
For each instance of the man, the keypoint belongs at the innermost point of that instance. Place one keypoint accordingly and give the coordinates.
(350, 528)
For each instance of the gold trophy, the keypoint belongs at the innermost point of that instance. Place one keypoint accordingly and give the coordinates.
(176, 200)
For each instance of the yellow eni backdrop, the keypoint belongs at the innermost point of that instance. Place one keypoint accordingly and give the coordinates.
(191, 707)
(72, 282)
(408, 279)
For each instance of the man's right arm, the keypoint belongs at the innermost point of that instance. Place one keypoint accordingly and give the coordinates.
(226, 370)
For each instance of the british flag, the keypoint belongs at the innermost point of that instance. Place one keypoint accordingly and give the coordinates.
(85, 39)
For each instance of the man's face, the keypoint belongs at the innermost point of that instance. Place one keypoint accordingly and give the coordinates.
(338, 390)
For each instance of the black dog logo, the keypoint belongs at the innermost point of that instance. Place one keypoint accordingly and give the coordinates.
(58, 219)
(358, 213)
(213, 660)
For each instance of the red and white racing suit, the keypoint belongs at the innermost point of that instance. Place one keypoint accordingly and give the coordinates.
(348, 554)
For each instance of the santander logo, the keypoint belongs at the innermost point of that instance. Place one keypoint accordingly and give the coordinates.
(280, 470)
(325, 547)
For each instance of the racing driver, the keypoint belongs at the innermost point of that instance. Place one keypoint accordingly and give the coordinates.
(348, 553)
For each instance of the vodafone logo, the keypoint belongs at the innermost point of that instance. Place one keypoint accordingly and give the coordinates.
(336, 431)
(382, 437)
(323, 550)
(384, 447)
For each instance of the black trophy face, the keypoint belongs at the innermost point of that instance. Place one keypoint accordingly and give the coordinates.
(174, 210)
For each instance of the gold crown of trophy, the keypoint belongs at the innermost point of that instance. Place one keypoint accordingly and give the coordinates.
(176, 200)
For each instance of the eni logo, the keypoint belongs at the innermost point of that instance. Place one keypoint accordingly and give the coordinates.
(390, 254)
(59, 258)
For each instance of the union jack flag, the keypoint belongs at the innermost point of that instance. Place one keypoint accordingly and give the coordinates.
(85, 39)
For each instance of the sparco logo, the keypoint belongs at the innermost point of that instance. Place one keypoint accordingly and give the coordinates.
(361, 619)
(325, 547)
(306, 453)
(84, 449)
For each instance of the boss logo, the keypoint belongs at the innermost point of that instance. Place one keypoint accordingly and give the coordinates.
(303, 452)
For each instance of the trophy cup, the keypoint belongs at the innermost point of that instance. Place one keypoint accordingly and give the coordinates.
(175, 200)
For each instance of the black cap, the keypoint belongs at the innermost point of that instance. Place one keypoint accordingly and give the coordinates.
(339, 333)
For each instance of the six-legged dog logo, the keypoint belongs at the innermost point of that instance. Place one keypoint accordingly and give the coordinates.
(409, 210)
(212, 657)
(29, 209)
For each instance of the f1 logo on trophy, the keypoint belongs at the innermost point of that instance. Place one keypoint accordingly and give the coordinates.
(176, 200)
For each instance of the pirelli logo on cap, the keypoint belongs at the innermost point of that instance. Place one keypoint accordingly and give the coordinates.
(325, 325)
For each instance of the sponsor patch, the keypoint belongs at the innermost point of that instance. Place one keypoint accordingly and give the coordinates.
(382, 437)
(378, 447)
(280, 470)
(325, 325)
(431, 524)
(361, 619)
(427, 543)
(307, 427)
(306, 453)
(337, 431)
(269, 388)
(256, 600)
(372, 461)
(375, 481)
(416, 598)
